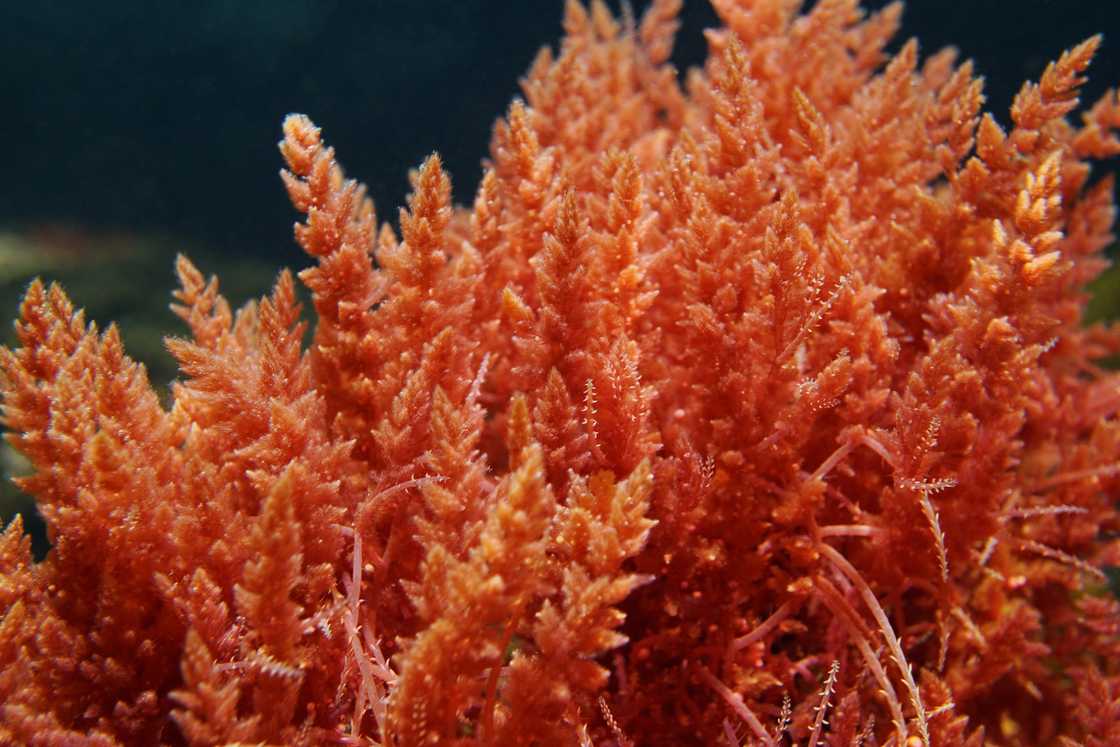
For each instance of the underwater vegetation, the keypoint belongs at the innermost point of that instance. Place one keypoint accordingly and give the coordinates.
(111, 272)
(757, 410)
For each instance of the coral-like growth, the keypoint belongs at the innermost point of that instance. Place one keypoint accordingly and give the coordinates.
(752, 412)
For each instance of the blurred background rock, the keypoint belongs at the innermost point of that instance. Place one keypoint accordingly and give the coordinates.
(134, 130)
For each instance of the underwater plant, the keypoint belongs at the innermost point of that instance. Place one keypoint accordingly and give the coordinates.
(754, 411)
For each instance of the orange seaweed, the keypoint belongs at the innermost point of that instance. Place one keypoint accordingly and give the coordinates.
(751, 411)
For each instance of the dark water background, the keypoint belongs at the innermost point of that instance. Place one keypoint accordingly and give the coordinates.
(164, 115)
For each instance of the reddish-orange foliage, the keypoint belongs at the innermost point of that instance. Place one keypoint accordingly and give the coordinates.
(752, 412)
